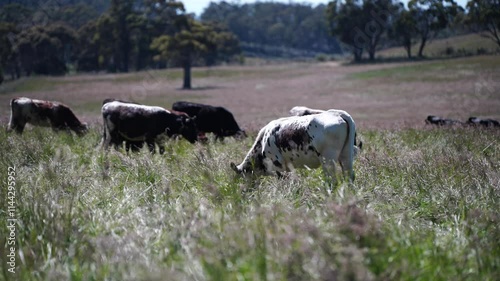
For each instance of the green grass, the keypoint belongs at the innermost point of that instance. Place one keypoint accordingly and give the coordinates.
(438, 71)
(424, 206)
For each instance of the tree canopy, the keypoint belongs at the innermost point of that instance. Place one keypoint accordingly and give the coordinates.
(113, 36)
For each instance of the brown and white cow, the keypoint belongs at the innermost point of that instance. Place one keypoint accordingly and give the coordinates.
(43, 113)
(303, 141)
(135, 123)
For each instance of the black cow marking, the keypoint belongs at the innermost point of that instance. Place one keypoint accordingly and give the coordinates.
(286, 137)
(277, 164)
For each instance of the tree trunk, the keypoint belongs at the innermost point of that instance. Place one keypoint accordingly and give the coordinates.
(187, 76)
(421, 48)
(371, 53)
(408, 50)
(358, 53)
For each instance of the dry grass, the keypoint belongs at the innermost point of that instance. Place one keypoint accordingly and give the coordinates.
(424, 205)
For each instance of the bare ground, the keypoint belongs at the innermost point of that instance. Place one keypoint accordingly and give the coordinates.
(257, 94)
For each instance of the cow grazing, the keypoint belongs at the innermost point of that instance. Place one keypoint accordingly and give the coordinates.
(137, 124)
(117, 142)
(303, 141)
(439, 121)
(45, 114)
(475, 121)
(211, 119)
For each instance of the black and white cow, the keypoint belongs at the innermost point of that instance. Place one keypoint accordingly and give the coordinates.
(137, 123)
(43, 113)
(303, 141)
(475, 121)
(303, 111)
(211, 119)
(439, 121)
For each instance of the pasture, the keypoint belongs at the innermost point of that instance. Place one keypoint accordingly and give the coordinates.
(424, 206)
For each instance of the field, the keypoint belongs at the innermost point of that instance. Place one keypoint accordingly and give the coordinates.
(424, 205)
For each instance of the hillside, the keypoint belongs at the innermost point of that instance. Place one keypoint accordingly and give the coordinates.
(461, 45)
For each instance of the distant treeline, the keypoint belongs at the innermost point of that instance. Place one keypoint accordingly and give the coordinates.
(55, 36)
(276, 29)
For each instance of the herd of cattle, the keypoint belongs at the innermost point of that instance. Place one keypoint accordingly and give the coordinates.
(308, 138)
(472, 121)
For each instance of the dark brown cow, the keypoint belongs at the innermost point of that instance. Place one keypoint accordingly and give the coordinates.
(475, 121)
(43, 113)
(211, 119)
(436, 120)
(124, 121)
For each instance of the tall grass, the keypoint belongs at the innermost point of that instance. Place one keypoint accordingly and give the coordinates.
(424, 207)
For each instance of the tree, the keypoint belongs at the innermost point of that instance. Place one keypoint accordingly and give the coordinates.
(484, 17)
(119, 12)
(45, 50)
(344, 20)
(88, 48)
(184, 47)
(224, 45)
(431, 16)
(9, 59)
(404, 29)
(360, 25)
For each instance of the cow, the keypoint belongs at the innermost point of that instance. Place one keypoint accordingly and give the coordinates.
(303, 111)
(211, 119)
(137, 124)
(439, 121)
(45, 114)
(117, 142)
(303, 141)
(475, 121)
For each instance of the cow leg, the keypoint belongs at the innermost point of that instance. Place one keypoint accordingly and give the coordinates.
(219, 137)
(329, 171)
(161, 148)
(347, 169)
(18, 127)
(151, 145)
(135, 146)
(346, 159)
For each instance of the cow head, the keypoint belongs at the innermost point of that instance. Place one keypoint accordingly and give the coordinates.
(235, 168)
(188, 128)
(241, 134)
(82, 129)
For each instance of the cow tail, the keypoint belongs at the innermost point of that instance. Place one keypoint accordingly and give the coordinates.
(349, 144)
(11, 124)
(105, 141)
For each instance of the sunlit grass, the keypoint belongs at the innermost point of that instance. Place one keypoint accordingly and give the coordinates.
(424, 207)
(434, 71)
